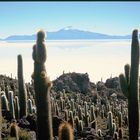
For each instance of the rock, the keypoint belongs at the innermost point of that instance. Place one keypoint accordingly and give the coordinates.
(113, 83)
(73, 82)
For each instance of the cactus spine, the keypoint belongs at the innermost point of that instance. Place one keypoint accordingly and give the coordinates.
(42, 87)
(22, 90)
(65, 132)
(129, 86)
(14, 132)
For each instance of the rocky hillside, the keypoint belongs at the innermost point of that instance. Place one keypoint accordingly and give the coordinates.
(74, 82)
(78, 82)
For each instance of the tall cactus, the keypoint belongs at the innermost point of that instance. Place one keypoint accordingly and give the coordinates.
(21, 89)
(0, 116)
(42, 87)
(129, 86)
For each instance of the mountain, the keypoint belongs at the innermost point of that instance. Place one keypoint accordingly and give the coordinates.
(68, 33)
(21, 37)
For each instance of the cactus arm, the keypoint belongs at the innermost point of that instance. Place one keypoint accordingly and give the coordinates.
(123, 84)
(127, 73)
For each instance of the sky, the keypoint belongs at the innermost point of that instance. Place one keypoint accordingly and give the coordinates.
(114, 18)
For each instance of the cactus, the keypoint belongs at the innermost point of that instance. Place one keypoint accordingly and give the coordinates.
(120, 119)
(102, 114)
(56, 109)
(99, 132)
(4, 103)
(53, 105)
(94, 125)
(11, 104)
(129, 86)
(65, 132)
(16, 106)
(86, 114)
(77, 122)
(72, 104)
(0, 116)
(61, 104)
(92, 114)
(14, 131)
(30, 106)
(71, 120)
(7, 91)
(21, 89)
(80, 125)
(110, 123)
(42, 87)
(126, 120)
(80, 114)
(66, 115)
(113, 129)
(120, 133)
(115, 135)
(124, 84)
(74, 112)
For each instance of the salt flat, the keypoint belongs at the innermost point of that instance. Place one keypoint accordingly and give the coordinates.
(99, 58)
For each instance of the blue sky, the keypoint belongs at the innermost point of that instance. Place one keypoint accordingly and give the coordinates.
(116, 18)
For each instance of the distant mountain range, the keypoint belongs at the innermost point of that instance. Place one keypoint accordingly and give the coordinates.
(68, 33)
